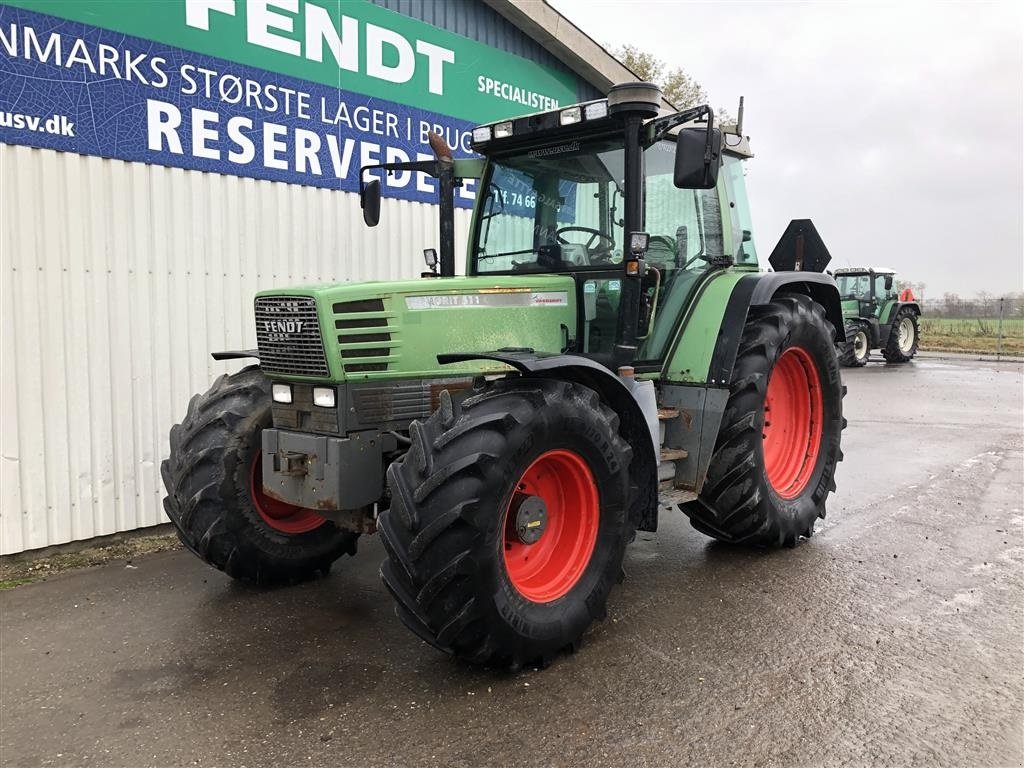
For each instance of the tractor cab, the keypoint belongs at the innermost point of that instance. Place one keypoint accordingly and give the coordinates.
(635, 207)
(865, 291)
(556, 206)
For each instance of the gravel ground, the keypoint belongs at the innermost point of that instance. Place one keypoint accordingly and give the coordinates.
(893, 637)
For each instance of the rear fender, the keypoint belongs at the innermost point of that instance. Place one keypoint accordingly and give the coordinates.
(757, 290)
(643, 469)
(754, 290)
(892, 307)
(820, 287)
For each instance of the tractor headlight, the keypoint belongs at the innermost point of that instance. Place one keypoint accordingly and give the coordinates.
(323, 396)
(281, 393)
(481, 134)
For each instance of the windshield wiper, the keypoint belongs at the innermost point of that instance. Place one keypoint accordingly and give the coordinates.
(504, 253)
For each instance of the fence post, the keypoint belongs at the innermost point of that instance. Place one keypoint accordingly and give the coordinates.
(999, 333)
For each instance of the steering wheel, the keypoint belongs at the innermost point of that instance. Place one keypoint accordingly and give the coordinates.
(594, 235)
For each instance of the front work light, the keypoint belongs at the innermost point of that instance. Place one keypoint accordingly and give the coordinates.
(638, 242)
(503, 130)
(570, 116)
(430, 257)
(481, 134)
(323, 396)
(281, 393)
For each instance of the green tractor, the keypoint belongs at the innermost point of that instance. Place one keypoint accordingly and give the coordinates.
(613, 353)
(877, 316)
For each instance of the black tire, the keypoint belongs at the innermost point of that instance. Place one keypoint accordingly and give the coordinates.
(445, 531)
(893, 352)
(738, 503)
(858, 340)
(207, 477)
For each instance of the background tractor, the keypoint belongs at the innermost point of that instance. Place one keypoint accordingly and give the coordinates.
(877, 316)
(612, 352)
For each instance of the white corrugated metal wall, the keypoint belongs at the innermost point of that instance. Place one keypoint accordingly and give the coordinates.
(118, 279)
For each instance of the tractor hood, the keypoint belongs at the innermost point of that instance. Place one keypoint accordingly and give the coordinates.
(387, 330)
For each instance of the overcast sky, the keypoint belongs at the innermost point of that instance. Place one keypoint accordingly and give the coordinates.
(896, 128)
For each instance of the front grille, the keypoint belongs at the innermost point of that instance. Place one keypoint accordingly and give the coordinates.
(288, 336)
(366, 340)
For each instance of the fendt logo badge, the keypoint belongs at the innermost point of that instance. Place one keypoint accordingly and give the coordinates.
(286, 325)
(283, 326)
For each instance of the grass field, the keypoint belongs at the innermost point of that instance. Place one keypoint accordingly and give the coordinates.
(972, 334)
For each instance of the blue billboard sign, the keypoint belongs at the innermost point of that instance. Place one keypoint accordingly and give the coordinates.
(69, 86)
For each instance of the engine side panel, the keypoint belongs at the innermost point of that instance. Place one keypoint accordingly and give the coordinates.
(393, 331)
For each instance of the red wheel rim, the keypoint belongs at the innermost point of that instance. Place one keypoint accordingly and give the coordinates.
(551, 566)
(793, 415)
(279, 515)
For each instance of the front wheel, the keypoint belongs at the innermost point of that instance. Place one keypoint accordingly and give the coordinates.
(508, 521)
(215, 498)
(902, 344)
(855, 351)
(775, 458)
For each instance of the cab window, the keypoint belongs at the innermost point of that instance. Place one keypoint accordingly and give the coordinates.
(685, 226)
(883, 294)
(743, 225)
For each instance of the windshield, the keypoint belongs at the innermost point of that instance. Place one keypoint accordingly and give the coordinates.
(553, 209)
(853, 286)
(561, 208)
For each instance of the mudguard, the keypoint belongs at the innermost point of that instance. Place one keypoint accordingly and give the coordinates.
(896, 306)
(582, 370)
(236, 354)
(758, 289)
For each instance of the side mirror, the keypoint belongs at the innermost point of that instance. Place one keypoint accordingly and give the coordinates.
(691, 172)
(369, 200)
(888, 282)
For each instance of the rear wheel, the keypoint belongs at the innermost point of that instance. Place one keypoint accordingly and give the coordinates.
(215, 498)
(902, 344)
(855, 351)
(508, 521)
(776, 454)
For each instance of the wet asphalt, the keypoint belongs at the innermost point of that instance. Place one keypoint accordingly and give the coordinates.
(894, 637)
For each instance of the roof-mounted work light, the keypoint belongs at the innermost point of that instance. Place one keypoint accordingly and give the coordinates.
(503, 130)
(595, 110)
(570, 116)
